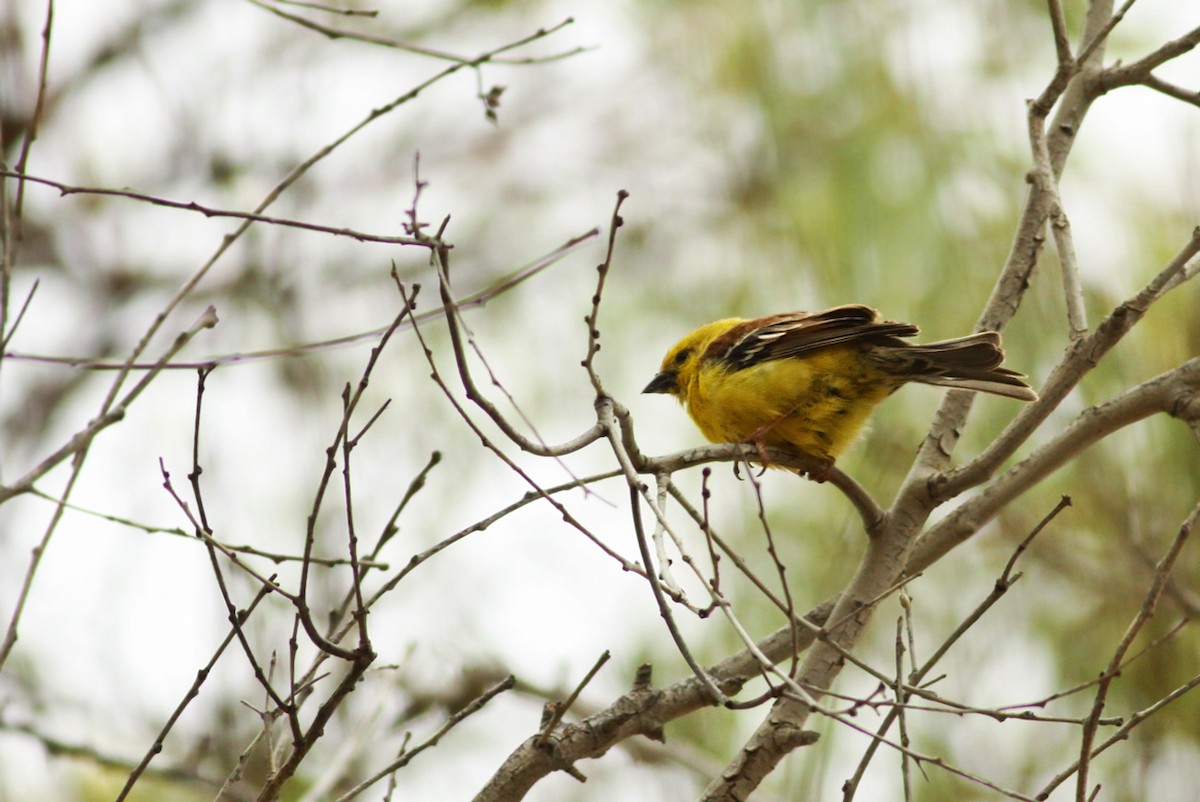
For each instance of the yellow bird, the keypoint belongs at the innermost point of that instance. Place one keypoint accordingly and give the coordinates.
(806, 381)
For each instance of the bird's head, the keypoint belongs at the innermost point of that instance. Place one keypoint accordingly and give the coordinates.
(682, 362)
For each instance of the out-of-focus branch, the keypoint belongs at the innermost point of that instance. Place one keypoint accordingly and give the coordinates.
(472, 301)
(420, 50)
(76, 449)
(65, 190)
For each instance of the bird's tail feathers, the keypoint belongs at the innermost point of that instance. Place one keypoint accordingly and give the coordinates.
(1009, 386)
(965, 363)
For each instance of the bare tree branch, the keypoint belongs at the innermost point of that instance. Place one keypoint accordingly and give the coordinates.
(1164, 393)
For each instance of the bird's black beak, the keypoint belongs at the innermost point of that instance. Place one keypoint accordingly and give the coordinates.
(665, 382)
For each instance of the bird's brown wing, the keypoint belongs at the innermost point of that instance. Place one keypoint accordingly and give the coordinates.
(794, 334)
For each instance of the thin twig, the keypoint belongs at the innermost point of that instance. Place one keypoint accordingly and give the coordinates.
(191, 694)
(1000, 587)
(1144, 614)
(406, 757)
(561, 708)
(664, 609)
(602, 270)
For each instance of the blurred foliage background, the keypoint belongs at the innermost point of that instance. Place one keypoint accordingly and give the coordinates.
(779, 156)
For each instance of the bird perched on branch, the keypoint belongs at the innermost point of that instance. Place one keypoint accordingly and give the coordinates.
(806, 381)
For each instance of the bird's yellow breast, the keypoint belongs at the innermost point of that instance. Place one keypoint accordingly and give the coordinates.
(815, 404)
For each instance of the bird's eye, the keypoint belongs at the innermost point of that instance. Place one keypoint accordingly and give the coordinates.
(682, 357)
